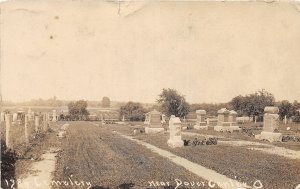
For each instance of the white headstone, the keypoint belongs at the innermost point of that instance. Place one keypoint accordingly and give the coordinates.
(175, 132)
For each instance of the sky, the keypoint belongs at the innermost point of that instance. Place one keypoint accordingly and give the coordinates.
(207, 51)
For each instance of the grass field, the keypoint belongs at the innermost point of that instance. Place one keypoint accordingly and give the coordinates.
(96, 153)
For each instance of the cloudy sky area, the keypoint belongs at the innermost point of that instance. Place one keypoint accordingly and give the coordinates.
(210, 52)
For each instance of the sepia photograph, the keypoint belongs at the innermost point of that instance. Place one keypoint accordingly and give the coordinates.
(144, 94)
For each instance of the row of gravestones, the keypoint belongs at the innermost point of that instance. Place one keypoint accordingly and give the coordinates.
(19, 116)
(9, 126)
(226, 122)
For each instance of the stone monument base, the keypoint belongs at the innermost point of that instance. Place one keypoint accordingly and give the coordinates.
(227, 128)
(269, 136)
(154, 130)
(174, 144)
(200, 127)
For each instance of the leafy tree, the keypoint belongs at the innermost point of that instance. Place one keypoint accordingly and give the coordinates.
(105, 102)
(253, 104)
(295, 111)
(172, 103)
(133, 111)
(78, 110)
(295, 107)
(285, 109)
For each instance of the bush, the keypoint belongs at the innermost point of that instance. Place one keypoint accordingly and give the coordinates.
(296, 119)
(133, 111)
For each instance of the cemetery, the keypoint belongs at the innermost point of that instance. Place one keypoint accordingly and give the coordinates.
(202, 140)
(150, 94)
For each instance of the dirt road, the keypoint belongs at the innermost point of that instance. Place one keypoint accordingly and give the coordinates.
(101, 157)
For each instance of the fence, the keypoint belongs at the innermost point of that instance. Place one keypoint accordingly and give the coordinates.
(23, 130)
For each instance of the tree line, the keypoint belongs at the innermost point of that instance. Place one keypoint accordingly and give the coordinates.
(171, 102)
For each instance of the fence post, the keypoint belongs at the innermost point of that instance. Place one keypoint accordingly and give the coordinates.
(26, 130)
(48, 120)
(37, 123)
(7, 130)
(45, 122)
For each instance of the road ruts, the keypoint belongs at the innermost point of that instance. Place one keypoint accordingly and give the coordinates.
(98, 155)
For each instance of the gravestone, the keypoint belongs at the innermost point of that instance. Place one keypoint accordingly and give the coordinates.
(226, 121)
(147, 118)
(271, 124)
(232, 118)
(223, 117)
(175, 132)
(20, 117)
(200, 122)
(154, 124)
(54, 119)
